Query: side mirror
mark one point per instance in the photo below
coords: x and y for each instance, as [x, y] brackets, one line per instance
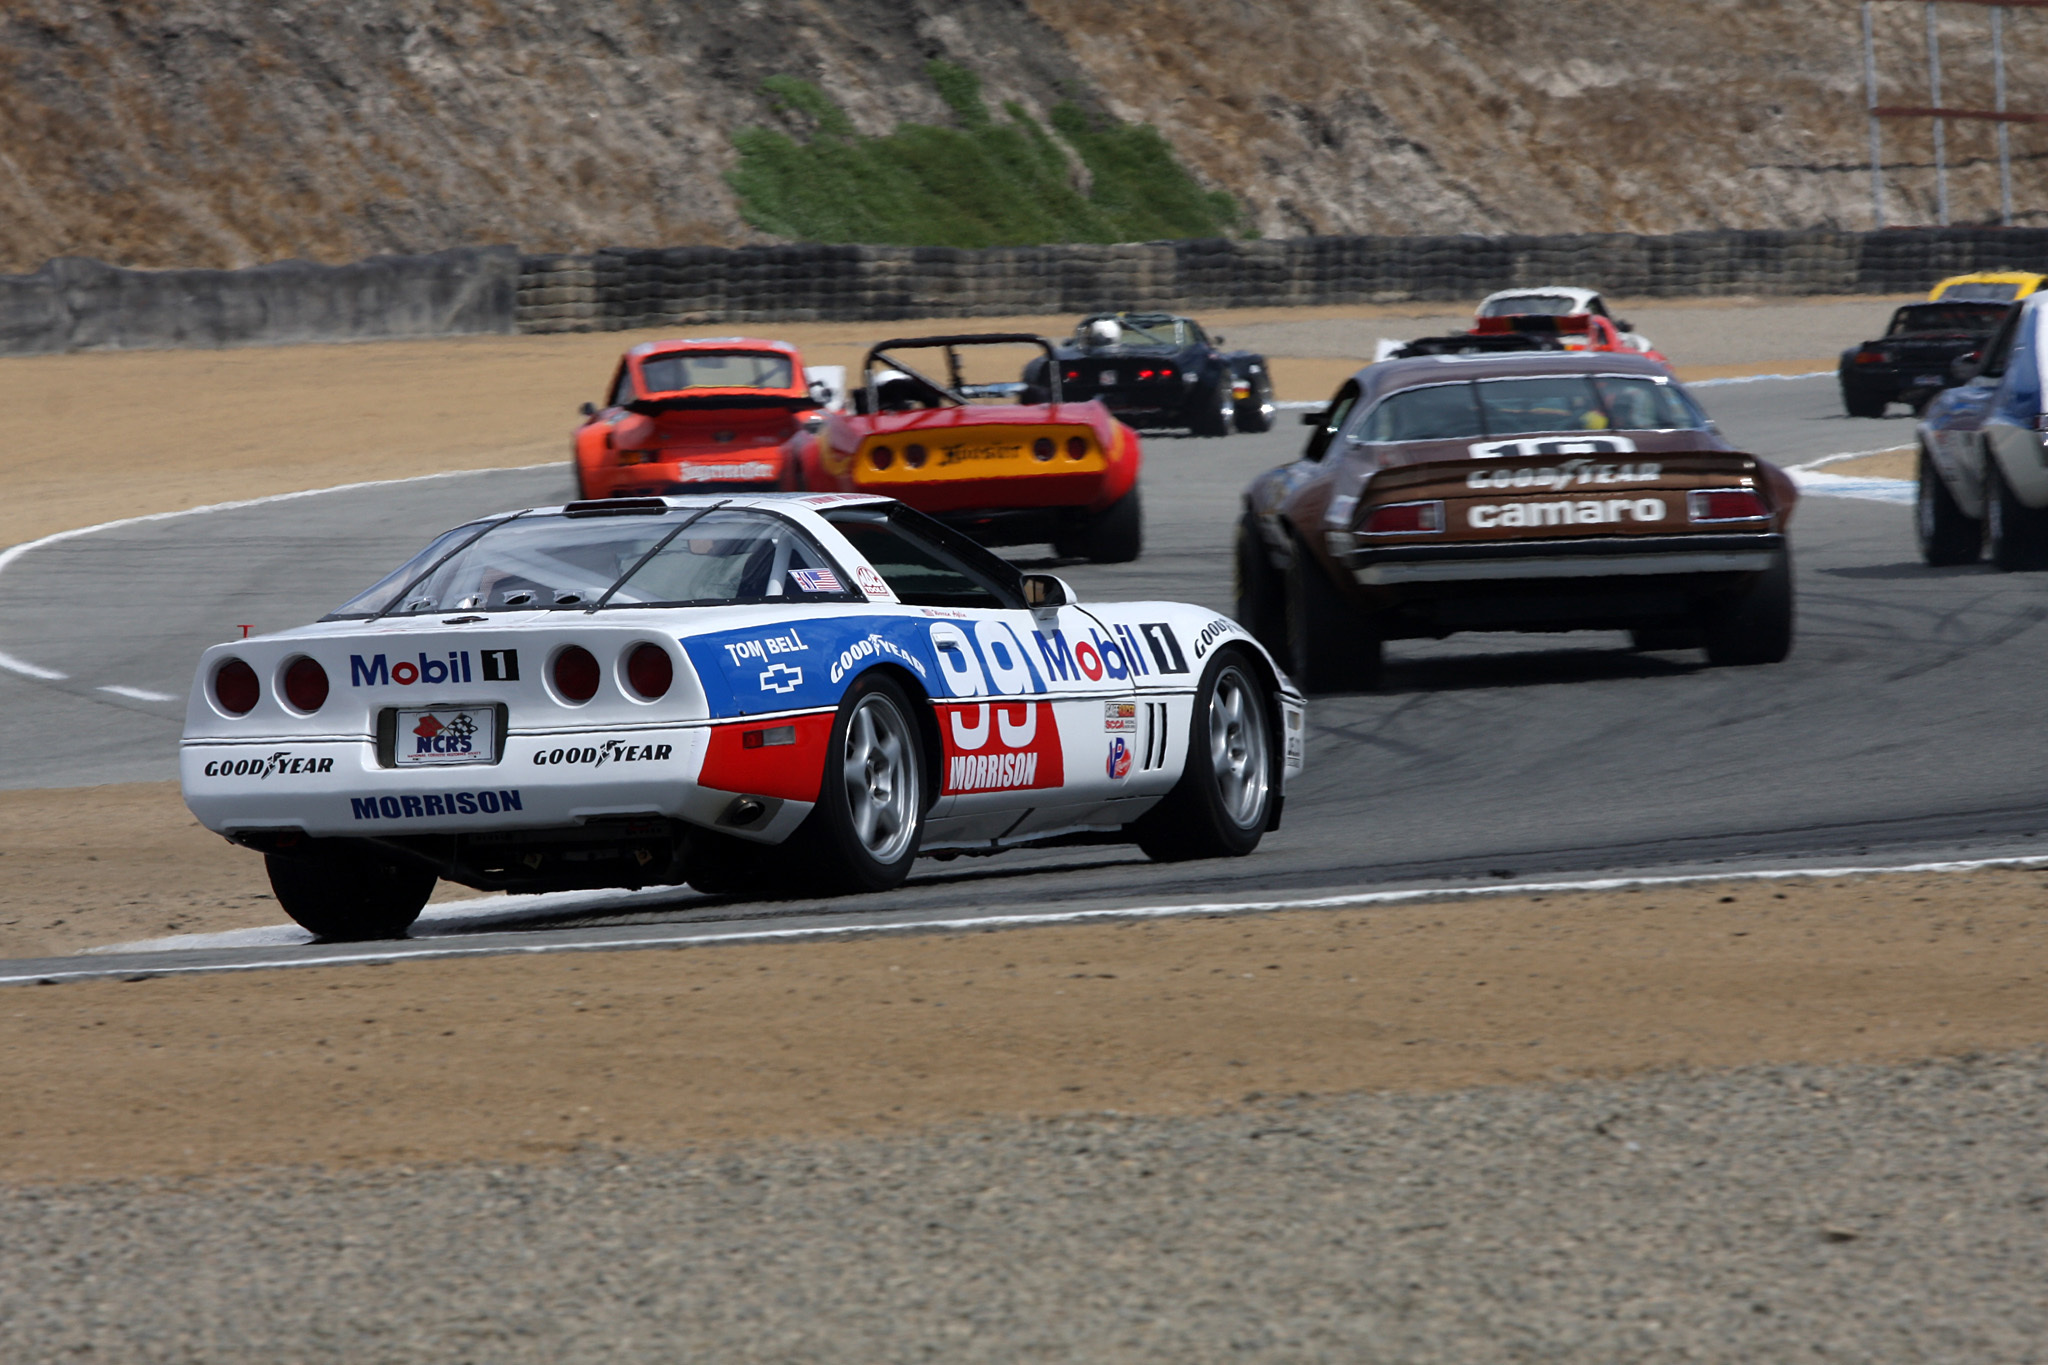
[1046, 590]
[588, 409]
[1964, 368]
[1312, 419]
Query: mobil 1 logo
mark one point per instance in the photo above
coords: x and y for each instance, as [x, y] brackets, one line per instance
[499, 665]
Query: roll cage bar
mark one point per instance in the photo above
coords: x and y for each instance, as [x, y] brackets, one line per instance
[950, 344]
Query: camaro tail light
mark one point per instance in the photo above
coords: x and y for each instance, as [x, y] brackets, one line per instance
[305, 684]
[1870, 356]
[881, 457]
[576, 674]
[1043, 448]
[649, 671]
[1725, 504]
[235, 687]
[1404, 519]
[914, 456]
[1077, 447]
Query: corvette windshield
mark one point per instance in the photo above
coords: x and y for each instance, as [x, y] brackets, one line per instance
[1550, 305]
[687, 557]
[681, 370]
[1147, 331]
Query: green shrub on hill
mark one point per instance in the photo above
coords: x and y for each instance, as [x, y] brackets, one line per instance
[986, 182]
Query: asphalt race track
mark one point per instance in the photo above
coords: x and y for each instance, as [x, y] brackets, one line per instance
[1901, 729]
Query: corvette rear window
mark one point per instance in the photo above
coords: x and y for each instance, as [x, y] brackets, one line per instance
[688, 557]
[681, 370]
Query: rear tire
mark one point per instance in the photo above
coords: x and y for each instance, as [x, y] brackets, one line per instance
[1255, 413]
[1330, 645]
[1862, 403]
[2015, 534]
[1261, 588]
[1754, 625]
[1652, 639]
[356, 891]
[1214, 410]
[1230, 776]
[864, 832]
[1946, 535]
[1116, 535]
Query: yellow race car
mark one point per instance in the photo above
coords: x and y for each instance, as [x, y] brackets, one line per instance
[1986, 286]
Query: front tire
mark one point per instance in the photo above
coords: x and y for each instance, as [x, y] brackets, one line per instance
[1330, 645]
[1754, 626]
[350, 893]
[1947, 536]
[1229, 778]
[864, 832]
[2015, 534]
[1261, 589]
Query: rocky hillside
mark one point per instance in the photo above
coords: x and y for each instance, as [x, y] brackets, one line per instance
[228, 132]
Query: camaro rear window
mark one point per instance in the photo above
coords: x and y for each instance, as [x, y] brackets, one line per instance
[1514, 407]
[681, 370]
[688, 557]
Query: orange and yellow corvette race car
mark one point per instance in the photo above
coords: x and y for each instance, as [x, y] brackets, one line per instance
[1008, 463]
[693, 415]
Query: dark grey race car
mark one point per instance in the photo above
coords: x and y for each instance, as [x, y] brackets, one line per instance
[1159, 370]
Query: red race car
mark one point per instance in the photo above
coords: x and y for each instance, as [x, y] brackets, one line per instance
[694, 415]
[1008, 463]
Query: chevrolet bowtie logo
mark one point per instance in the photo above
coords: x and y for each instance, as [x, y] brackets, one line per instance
[781, 678]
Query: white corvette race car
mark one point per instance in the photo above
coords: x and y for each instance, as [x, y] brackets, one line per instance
[744, 692]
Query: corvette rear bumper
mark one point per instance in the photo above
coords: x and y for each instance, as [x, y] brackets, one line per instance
[1583, 557]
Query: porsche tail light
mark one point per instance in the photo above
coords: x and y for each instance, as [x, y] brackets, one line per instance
[305, 684]
[914, 456]
[576, 674]
[1077, 447]
[1725, 504]
[1871, 356]
[881, 457]
[1404, 519]
[235, 687]
[638, 456]
[1043, 448]
[649, 671]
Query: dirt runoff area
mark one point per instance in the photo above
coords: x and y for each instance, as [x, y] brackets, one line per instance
[531, 1058]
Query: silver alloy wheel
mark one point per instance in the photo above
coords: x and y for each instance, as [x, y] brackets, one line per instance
[1237, 748]
[881, 778]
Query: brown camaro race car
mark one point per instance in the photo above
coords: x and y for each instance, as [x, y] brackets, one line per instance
[1524, 492]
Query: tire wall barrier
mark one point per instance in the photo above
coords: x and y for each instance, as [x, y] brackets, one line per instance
[73, 304]
[614, 289]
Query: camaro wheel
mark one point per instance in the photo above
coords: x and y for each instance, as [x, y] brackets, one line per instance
[870, 814]
[1223, 802]
[1261, 591]
[1946, 535]
[1330, 645]
[1754, 626]
[2015, 534]
[355, 891]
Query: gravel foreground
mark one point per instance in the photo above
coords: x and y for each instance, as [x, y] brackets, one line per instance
[1775, 1213]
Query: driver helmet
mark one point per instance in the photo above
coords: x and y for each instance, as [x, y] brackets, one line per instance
[1102, 332]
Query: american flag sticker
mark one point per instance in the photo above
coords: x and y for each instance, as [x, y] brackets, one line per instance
[816, 580]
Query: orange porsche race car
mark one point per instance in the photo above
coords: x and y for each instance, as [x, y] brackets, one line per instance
[1008, 463]
[693, 415]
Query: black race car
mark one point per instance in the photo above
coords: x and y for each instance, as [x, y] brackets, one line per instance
[1157, 370]
[1910, 362]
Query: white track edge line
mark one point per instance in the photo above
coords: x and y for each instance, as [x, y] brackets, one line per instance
[14, 552]
[1754, 379]
[1362, 898]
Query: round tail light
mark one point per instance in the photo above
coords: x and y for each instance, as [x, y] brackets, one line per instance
[1043, 448]
[914, 456]
[881, 457]
[235, 687]
[1077, 447]
[649, 671]
[305, 684]
[576, 674]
